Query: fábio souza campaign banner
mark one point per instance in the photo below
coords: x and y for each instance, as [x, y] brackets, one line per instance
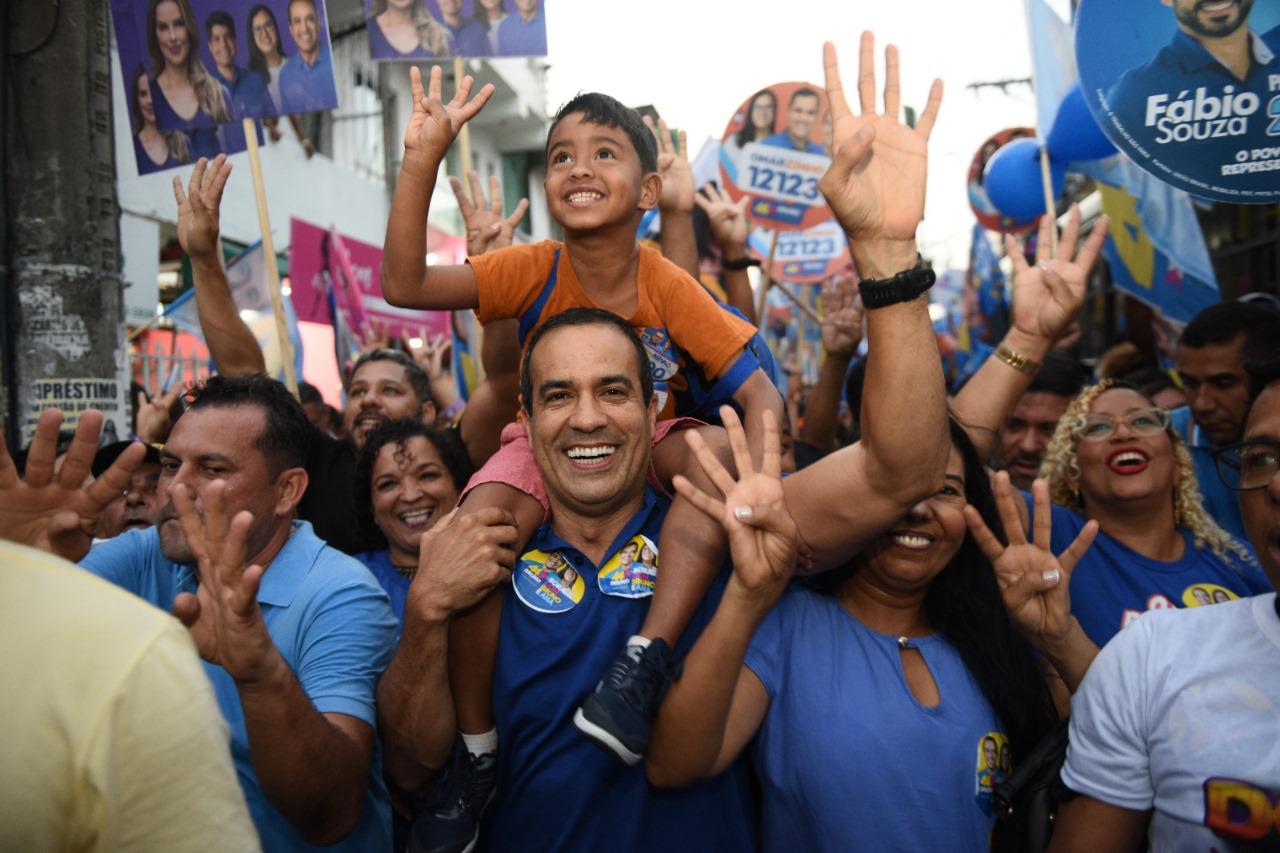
[1189, 90]
[775, 148]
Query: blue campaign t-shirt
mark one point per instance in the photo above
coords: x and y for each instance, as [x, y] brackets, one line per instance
[249, 96]
[782, 140]
[333, 626]
[200, 129]
[560, 632]
[392, 582]
[1184, 105]
[1113, 584]
[848, 758]
[306, 88]
[469, 38]
[1219, 501]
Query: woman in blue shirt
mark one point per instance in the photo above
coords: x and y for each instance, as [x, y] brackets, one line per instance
[409, 476]
[154, 149]
[405, 29]
[186, 96]
[880, 700]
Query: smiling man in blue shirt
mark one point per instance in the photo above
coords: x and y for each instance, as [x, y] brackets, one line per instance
[306, 80]
[1211, 82]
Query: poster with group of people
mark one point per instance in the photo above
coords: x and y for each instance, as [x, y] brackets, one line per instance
[194, 69]
[435, 29]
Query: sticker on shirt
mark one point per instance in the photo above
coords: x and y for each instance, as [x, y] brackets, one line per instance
[1238, 810]
[546, 582]
[1203, 594]
[662, 359]
[633, 571]
[994, 765]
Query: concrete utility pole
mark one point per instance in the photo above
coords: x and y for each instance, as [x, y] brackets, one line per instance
[62, 325]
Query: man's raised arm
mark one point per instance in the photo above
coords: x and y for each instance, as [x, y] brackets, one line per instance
[232, 345]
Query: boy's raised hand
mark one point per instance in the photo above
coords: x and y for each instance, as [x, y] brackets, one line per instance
[728, 219]
[487, 228]
[434, 124]
[198, 207]
[876, 182]
[673, 167]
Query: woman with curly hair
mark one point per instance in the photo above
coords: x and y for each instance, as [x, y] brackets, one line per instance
[1114, 458]
[186, 96]
[405, 29]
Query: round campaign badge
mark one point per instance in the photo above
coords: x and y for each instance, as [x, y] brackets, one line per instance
[1189, 90]
[547, 583]
[632, 571]
[983, 209]
[803, 257]
[776, 147]
[1202, 594]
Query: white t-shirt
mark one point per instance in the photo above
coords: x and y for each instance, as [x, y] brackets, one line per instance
[1180, 713]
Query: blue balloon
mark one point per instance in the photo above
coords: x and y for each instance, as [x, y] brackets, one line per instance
[1075, 135]
[1012, 179]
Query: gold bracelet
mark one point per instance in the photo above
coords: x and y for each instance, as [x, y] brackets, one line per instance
[1017, 360]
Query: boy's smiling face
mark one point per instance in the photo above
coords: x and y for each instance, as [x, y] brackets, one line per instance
[594, 177]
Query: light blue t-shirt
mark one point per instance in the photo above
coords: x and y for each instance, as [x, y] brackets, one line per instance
[1219, 501]
[848, 759]
[333, 626]
[1113, 584]
[783, 140]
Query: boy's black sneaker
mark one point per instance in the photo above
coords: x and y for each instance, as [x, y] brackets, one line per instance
[450, 822]
[619, 713]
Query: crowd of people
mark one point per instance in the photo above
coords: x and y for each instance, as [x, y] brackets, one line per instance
[631, 596]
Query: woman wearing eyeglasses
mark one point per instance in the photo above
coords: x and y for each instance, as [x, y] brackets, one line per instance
[1114, 458]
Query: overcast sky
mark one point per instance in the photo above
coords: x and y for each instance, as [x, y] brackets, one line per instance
[697, 60]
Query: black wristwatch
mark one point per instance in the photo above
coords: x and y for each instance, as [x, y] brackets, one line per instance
[740, 263]
[903, 287]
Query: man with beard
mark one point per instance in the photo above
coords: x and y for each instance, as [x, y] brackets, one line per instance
[1210, 360]
[1024, 435]
[294, 635]
[1213, 66]
[135, 507]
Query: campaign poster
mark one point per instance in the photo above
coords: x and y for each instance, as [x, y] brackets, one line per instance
[983, 209]
[414, 30]
[775, 148]
[331, 274]
[213, 63]
[803, 257]
[1189, 90]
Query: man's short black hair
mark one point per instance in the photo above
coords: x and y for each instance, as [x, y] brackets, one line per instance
[286, 431]
[609, 112]
[1059, 374]
[584, 317]
[413, 371]
[218, 18]
[1225, 321]
[1261, 374]
[804, 92]
[308, 393]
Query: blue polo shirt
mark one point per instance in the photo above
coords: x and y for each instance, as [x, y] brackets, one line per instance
[1221, 502]
[307, 88]
[331, 622]
[518, 37]
[1175, 105]
[782, 140]
[557, 791]
[469, 38]
[249, 96]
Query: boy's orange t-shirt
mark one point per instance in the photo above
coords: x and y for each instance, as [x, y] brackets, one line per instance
[671, 309]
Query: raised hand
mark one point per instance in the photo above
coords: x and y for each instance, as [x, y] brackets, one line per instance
[460, 560]
[433, 123]
[198, 207]
[728, 219]
[1048, 296]
[1034, 584]
[54, 510]
[876, 183]
[842, 315]
[155, 418]
[375, 334]
[487, 228]
[763, 538]
[674, 169]
[223, 615]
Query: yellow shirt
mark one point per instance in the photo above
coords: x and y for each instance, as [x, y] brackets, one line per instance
[110, 738]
